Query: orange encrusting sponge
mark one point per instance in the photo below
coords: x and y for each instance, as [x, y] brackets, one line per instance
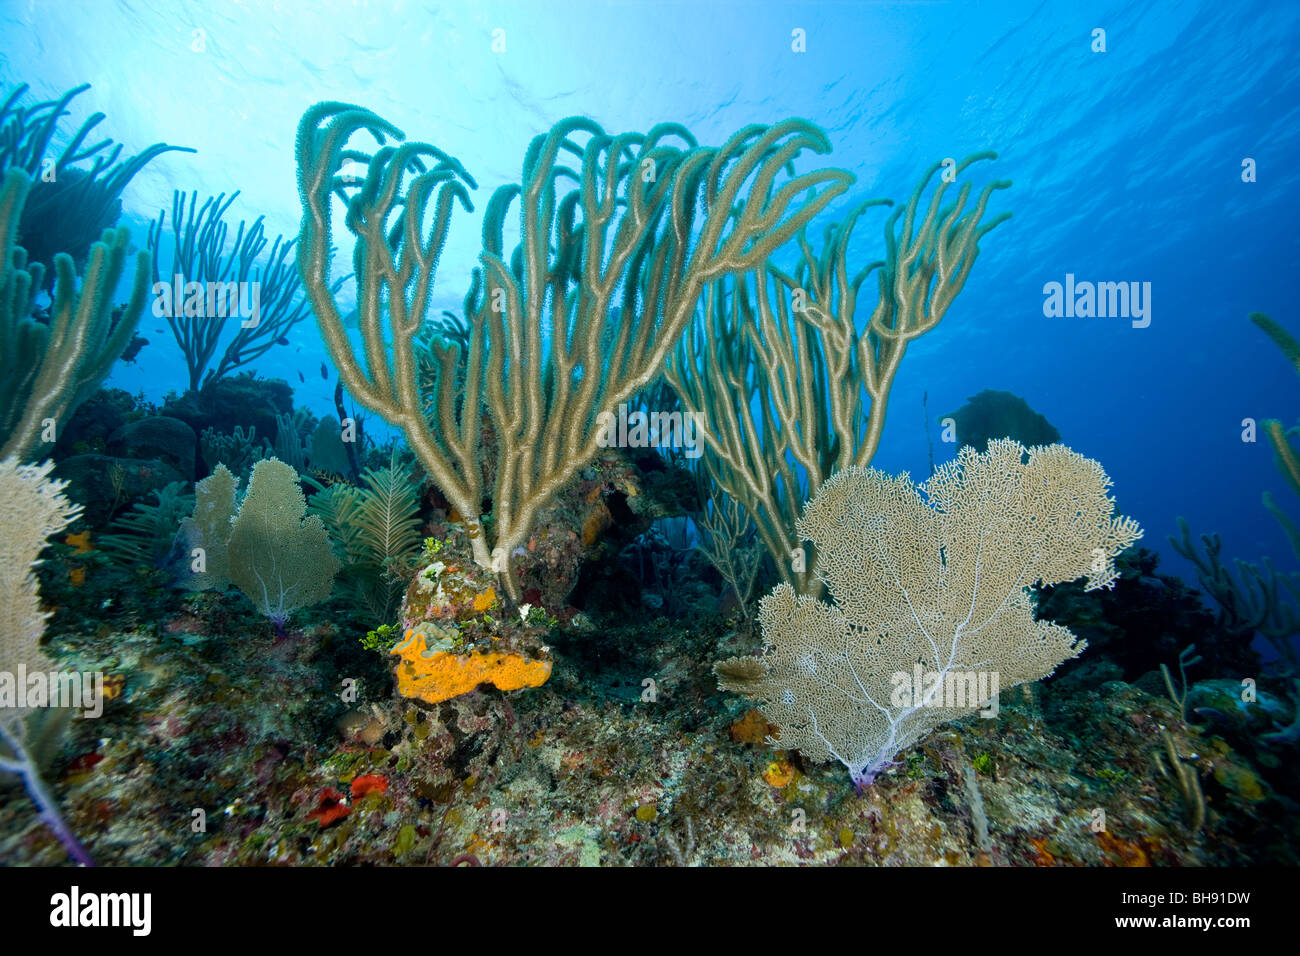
[444, 675]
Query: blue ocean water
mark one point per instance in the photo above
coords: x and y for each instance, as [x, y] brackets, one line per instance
[1127, 166]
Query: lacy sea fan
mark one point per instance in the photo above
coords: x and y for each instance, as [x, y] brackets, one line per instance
[934, 578]
[270, 548]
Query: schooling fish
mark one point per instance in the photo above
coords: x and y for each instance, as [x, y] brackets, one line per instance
[282, 340]
[300, 378]
[324, 372]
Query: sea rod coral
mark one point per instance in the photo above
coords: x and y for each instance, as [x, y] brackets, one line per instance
[48, 369]
[793, 385]
[578, 318]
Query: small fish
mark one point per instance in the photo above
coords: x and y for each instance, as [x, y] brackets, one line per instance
[324, 372]
[132, 350]
[282, 340]
[352, 320]
[300, 378]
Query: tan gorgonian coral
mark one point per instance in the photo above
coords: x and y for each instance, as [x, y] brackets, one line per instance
[793, 385]
[209, 528]
[270, 548]
[617, 237]
[932, 614]
[47, 369]
[279, 555]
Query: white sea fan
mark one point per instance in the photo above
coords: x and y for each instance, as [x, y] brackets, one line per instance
[936, 576]
[32, 507]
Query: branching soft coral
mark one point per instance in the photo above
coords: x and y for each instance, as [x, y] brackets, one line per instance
[929, 593]
[274, 552]
[77, 192]
[618, 236]
[794, 386]
[32, 508]
[48, 368]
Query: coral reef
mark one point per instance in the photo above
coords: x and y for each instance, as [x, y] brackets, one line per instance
[157, 437]
[504, 631]
[592, 770]
[237, 400]
[108, 485]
